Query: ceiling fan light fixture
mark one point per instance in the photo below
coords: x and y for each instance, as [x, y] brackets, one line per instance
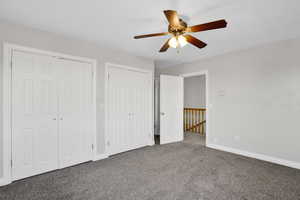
[173, 42]
[182, 41]
[177, 41]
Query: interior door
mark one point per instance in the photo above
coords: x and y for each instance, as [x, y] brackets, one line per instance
[129, 109]
[171, 109]
[75, 112]
[34, 115]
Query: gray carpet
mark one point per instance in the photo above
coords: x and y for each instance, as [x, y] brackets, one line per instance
[183, 171]
[194, 138]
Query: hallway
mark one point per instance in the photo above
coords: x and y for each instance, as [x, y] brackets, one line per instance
[194, 138]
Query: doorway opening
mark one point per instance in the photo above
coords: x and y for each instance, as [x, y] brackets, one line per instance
[181, 103]
[194, 116]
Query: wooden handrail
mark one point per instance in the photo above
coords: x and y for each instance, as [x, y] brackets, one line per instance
[201, 109]
[197, 125]
[195, 120]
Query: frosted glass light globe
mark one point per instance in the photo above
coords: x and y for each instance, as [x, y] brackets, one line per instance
[182, 41]
[173, 42]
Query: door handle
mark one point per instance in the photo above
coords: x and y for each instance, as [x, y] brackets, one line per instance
[162, 113]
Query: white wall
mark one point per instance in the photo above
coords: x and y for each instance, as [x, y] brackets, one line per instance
[194, 92]
[47, 41]
[255, 99]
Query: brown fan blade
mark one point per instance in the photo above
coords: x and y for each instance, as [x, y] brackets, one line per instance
[208, 26]
[172, 17]
[165, 47]
[194, 41]
[150, 35]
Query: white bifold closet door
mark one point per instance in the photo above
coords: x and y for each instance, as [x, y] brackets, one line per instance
[51, 114]
[74, 107]
[129, 109]
[34, 115]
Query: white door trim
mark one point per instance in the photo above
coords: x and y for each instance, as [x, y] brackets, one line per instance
[106, 102]
[8, 48]
[208, 105]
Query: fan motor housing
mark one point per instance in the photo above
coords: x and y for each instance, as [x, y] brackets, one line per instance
[178, 30]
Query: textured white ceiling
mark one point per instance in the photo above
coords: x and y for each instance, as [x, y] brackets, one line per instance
[114, 23]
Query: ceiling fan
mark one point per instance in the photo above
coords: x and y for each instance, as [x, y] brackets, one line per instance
[179, 29]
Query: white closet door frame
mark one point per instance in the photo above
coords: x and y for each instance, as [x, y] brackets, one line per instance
[8, 48]
[107, 66]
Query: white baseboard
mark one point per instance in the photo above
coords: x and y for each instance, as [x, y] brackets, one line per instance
[4, 181]
[100, 157]
[152, 143]
[271, 159]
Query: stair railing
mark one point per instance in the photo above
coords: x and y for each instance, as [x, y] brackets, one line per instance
[195, 120]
